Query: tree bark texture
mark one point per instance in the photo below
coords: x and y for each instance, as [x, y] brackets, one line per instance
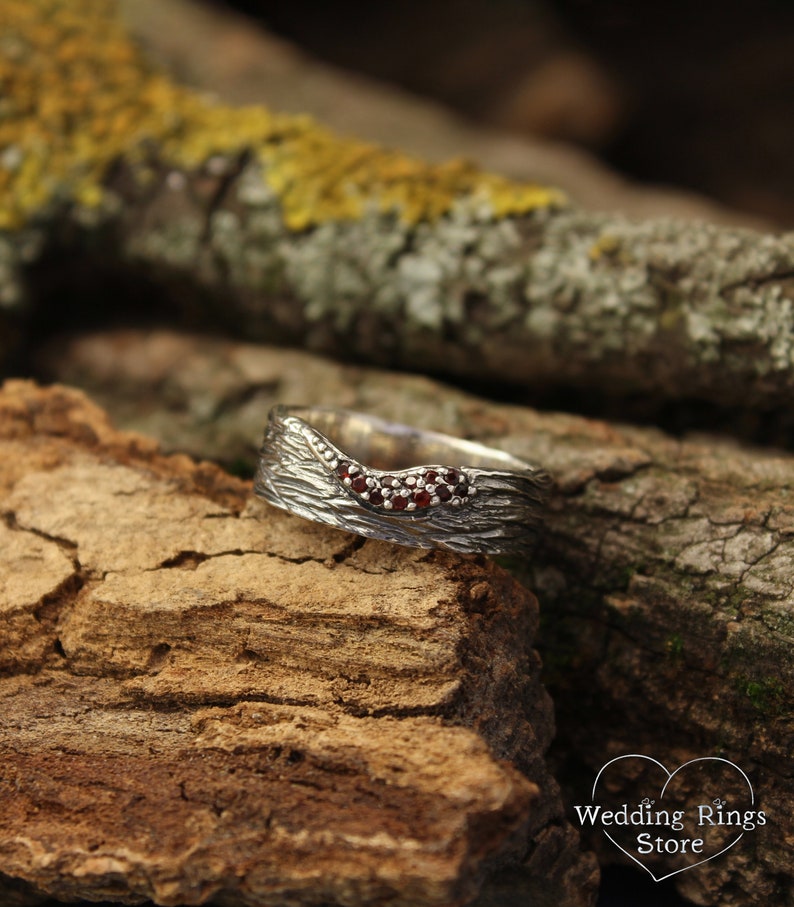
[665, 572]
[205, 699]
[287, 231]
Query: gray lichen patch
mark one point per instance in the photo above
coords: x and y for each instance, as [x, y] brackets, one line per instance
[409, 280]
[340, 275]
[606, 284]
[555, 297]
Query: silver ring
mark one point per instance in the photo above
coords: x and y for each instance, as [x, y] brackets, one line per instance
[359, 473]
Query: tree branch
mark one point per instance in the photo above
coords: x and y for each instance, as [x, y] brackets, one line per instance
[362, 252]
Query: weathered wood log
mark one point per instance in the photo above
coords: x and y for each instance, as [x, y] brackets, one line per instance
[665, 574]
[291, 232]
[260, 67]
[203, 698]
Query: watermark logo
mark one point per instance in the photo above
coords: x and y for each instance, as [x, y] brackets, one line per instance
[671, 821]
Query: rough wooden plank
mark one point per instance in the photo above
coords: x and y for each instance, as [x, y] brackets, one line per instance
[666, 574]
[202, 697]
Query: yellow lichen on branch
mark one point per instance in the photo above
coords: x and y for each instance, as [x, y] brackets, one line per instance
[76, 95]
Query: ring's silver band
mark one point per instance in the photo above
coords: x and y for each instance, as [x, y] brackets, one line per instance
[360, 473]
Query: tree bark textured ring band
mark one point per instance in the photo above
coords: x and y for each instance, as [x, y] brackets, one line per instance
[359, 473]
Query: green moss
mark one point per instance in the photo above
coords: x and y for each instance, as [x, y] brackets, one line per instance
[728, 602]
[77, 96]
[675, 647]
[766, 694]
[626, 575]
[241, 467]
[515, 565]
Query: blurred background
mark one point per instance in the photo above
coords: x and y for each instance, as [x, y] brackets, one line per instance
[693, 95]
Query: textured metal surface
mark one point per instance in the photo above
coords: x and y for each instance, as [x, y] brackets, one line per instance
[303, 448]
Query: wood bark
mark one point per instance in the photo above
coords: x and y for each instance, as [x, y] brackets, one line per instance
[205, 699]
[665, 572]
[285, 231]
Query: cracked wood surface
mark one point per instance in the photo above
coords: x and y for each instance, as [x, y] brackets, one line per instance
[202, 697]
[666, 574]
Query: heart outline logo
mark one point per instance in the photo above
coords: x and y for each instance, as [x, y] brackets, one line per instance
[670, 776]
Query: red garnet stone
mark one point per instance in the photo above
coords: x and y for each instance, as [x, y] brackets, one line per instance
[398, 502]
[421, 498]
[359, 484]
